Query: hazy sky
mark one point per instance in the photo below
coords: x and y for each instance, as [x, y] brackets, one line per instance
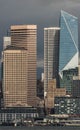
[44, 13]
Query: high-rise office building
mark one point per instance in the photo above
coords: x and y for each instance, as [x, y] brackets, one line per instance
[51, 55]
[15, 77]
[26, 36]
[68, 58]
[68, 53]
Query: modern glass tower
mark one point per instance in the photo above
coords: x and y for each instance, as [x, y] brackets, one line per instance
[68, 53]
[68, 42]
[51, 55]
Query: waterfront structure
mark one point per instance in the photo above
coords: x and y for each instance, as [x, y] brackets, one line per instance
[15, 77]
[18, 114]
[6, 41]
[68, 53]
[26, 36]
[67, 105]
[51, 55]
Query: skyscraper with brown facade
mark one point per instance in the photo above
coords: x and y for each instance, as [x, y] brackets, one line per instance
[25, 36]
[15, 77]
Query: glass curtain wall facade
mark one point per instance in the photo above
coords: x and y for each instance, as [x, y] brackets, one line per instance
[51, 55]
[68, 41]
[68, 54]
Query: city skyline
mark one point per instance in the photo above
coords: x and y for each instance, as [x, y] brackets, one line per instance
[43, 13]
[40, 38]
[40, 61]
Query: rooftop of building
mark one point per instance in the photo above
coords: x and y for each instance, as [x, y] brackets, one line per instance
[64, 12]
[54, 28]
[32, 26]
[10, 47]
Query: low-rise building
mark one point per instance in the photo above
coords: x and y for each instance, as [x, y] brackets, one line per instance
[67, 105]
[17, 114]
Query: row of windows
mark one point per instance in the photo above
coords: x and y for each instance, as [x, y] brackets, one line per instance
[7, 117]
